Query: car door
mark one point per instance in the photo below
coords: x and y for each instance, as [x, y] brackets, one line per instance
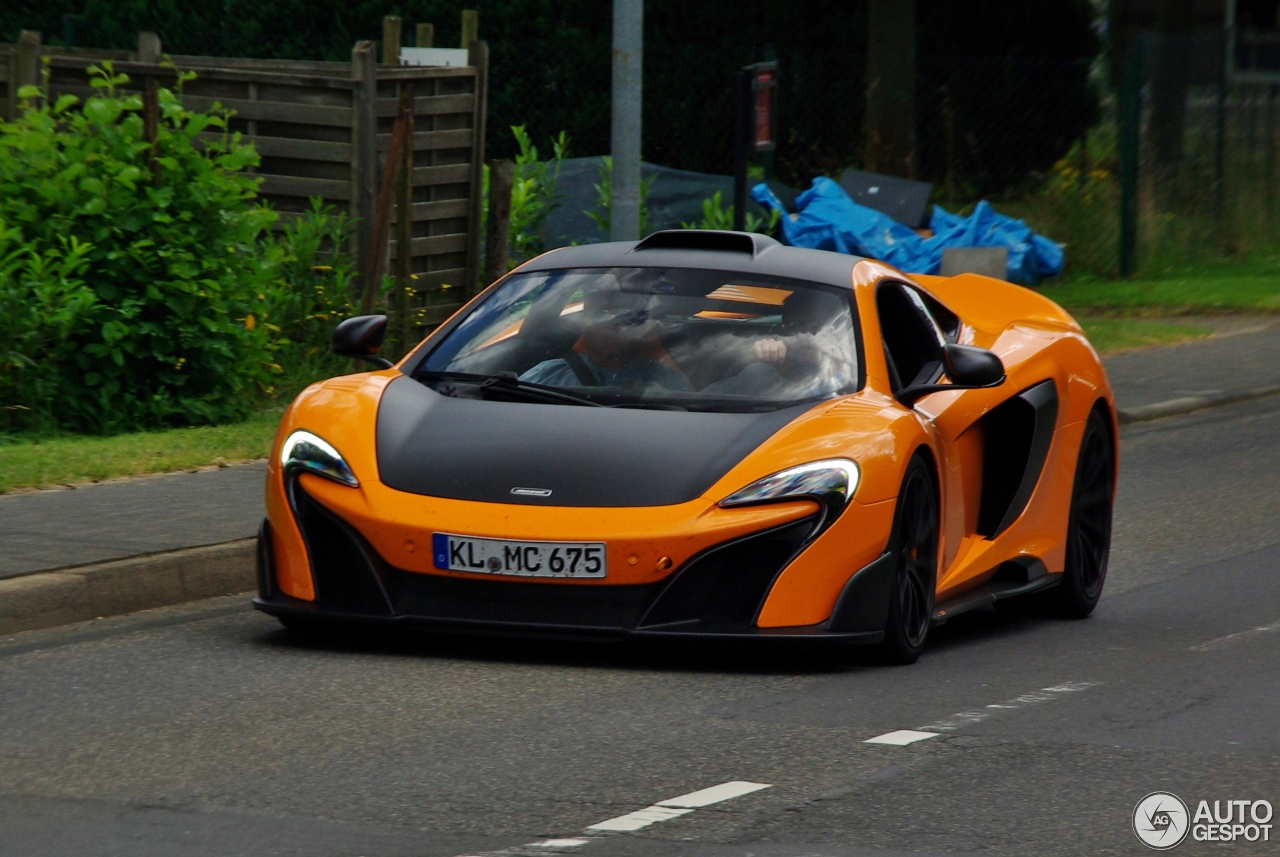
[992, 445]
[914, 328]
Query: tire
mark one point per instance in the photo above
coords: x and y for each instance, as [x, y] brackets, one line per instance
[915, 579]
[1088, 526]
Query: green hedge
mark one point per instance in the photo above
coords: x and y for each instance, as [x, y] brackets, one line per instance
[139, 284]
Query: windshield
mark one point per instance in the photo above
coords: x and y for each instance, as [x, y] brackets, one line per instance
[656, 337]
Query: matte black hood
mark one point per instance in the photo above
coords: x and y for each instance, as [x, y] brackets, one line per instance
[468, 449]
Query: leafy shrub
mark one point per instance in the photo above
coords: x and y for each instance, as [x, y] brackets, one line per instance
[311, 290]
[715, 215]
[602, 214]
[166, 235]
[533, 194]
[43, 302]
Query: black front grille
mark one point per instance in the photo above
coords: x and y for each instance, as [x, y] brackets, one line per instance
[721, 588]
[522, 602]
[344, 568]
[724, 587]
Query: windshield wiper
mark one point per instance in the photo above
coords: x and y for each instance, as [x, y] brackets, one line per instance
[509, 382]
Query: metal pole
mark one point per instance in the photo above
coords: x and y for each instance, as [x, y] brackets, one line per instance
[1220, 156]
[628, 55]
[741, 123]
[1130, 117]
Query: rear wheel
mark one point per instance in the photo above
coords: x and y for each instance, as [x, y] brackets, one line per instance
[915, 547]
[1089, 524]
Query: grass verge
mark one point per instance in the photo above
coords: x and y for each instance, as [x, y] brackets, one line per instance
[1258, 293]
[1116, 335]
[71, 459]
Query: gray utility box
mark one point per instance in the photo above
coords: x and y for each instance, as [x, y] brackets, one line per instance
[988, 261]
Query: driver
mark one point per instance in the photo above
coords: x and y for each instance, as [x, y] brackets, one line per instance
[618, 348]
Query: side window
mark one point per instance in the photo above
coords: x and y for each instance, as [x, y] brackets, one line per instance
[912, 341]
[947, 321]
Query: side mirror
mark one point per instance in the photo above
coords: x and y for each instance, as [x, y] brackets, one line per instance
[360, 338]
[968, 367]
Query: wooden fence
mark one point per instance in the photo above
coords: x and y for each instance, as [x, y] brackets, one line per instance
[323, 129]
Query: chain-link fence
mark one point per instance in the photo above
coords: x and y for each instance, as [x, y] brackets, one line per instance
[1207, 152]
[1038, 136]
[1011, 129]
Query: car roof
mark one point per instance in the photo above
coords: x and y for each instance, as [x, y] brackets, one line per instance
[731, 252]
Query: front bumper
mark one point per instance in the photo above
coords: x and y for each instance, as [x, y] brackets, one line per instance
[717, 593]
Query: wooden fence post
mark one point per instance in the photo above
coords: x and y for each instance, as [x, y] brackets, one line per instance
[386, 201]
[149, 48]
[404, 224]
[391, 40]
[477, 58]
[364, 160]
[425, 36]
[501, 176]
[470, 27]
[26, 66]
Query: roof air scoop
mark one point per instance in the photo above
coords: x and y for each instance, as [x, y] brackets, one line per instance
[715, 240]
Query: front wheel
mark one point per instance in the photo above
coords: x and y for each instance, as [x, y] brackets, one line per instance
[915, 548]
[1089, 524]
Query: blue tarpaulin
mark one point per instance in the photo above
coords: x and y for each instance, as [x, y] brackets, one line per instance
[827, 219]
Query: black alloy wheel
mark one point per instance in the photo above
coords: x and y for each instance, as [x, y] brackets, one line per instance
[1089, 525]
[915, 580]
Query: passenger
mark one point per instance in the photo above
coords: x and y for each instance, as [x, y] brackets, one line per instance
[797, 345]
[619, 348]
[802, 360]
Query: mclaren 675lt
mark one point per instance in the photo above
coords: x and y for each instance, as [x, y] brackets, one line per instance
[702, 434]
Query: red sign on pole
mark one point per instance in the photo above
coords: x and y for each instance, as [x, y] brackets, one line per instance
[764, 80]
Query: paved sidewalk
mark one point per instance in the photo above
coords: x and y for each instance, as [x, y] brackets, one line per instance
[110, 520]
[93, 523]
[1206, 366]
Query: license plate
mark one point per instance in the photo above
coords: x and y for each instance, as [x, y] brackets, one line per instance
[519, 559]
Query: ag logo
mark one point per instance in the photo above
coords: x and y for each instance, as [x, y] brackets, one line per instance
[1160, 819]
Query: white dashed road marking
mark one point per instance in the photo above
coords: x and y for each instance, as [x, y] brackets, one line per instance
[901, 737]
[715, 794]
[663, 810]
[1035, 697]
[640, 818]
[675, 807]
[1223, 642]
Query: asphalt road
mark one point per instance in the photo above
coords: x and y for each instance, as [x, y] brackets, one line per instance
[207, 730]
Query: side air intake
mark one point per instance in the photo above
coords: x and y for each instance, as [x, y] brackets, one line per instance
[708, 239]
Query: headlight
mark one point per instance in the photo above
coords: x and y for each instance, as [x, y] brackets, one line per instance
[304, 452]
[831, 483]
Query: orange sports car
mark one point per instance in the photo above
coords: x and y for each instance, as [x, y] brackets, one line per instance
[702, 434]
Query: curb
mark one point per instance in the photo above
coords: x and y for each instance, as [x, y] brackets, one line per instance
[78, 593]
[1187, 404]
